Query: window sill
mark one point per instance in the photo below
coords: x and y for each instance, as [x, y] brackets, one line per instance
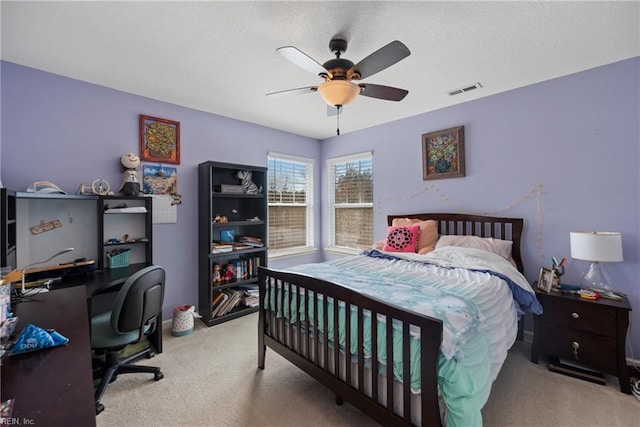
[286, 253]
[343, 251]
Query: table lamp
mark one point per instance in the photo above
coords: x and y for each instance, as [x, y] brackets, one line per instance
[64, 251]
[596, 247]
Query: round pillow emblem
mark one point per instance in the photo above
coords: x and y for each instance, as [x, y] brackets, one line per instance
[399, 238]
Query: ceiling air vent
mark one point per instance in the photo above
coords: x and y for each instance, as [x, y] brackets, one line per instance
[467, 88]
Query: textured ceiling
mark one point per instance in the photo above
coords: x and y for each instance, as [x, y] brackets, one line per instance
[220, 57]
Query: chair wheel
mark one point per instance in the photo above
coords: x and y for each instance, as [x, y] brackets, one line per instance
[99, 408]
[158, 376]
[150, 354]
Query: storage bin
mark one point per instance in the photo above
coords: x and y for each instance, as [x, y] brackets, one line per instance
[119, 260]
[183, 320]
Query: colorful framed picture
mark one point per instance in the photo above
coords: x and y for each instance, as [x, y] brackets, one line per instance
[159, 179]
[443, 154]
[159, 140]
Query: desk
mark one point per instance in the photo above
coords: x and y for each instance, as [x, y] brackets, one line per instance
[53, 386]
[100, 281]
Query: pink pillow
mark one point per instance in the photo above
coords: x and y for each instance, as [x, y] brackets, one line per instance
[428, 232]
[402, 239]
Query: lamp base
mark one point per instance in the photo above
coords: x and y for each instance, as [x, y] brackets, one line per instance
[596, 278]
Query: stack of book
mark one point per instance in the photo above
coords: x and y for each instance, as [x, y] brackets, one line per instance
[223, 302]
[251, 297]
[219, 247]
[238, 246]
[252, 241]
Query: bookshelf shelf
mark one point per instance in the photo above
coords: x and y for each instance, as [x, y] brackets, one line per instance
[115, 225]
[220, 300]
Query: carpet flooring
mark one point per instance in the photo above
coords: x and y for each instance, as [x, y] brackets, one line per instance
[211, 379]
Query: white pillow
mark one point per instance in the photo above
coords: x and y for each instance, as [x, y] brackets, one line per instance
[497, 246]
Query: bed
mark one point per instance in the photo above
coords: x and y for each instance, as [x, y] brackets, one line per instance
[405, 352]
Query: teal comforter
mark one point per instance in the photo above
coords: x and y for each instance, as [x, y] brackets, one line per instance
[478, 295]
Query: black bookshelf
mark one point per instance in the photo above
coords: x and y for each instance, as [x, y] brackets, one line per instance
[226, 212]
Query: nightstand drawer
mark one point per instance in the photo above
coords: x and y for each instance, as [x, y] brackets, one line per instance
[598, 352]
[595, 318]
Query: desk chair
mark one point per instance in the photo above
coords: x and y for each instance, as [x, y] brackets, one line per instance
[136, 313]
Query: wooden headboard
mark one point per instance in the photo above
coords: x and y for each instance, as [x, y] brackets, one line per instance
[476, 225]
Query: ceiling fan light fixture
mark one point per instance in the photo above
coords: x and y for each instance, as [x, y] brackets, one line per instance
[338, 92]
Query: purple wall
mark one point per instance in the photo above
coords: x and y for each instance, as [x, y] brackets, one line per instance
[564, 154]
[576, 136]
[67, 131]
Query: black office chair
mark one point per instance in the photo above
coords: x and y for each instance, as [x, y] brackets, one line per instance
[136, 313]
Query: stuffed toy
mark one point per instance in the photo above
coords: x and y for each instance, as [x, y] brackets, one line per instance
[248, 186]
[229, 273]
[130, 182]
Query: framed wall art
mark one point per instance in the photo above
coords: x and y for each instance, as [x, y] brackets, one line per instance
[159, 179]
[443, 154]
[159, 140]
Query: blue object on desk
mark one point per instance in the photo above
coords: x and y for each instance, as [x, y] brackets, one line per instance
[33, 338]
[565, 287]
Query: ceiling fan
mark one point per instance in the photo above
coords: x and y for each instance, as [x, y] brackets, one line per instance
[338, 88]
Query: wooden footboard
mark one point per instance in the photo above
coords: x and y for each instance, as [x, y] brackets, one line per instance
[314, 347]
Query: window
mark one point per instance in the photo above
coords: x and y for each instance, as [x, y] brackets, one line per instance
[290, 198]
[351, 202]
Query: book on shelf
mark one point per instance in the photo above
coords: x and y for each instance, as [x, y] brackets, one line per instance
[254, 244]
[250, 288]
[223, 306]
[251, 301]
[231, 303]
[250, 294]
[217, 301]
[229, 299]
[218, 247]
[252, 241]
[228, 188]
[241, 246]
[247, 268]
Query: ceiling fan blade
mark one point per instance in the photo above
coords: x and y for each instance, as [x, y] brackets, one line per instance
[383, 92]
[297, 91]
[302, 60]
[382, 58]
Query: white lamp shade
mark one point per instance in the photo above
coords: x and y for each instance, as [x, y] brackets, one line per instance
[596, 246]
[338, 92]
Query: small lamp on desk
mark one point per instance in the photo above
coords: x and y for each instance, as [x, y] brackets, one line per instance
[33, 264]
[597, 247]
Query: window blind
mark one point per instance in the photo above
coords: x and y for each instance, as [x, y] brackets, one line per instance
[290, 200]
[351, 212]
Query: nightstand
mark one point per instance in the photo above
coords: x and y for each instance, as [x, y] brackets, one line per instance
[591, 333]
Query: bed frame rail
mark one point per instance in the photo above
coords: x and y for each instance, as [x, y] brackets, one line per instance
[316, 354]
[476, 225]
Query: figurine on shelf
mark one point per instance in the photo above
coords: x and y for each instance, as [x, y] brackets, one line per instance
[248, 186]
[129, 167]
[216, 274]
[229, 273]
[220, 219]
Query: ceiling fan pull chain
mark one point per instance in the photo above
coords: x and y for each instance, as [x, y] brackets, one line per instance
[338, 120]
